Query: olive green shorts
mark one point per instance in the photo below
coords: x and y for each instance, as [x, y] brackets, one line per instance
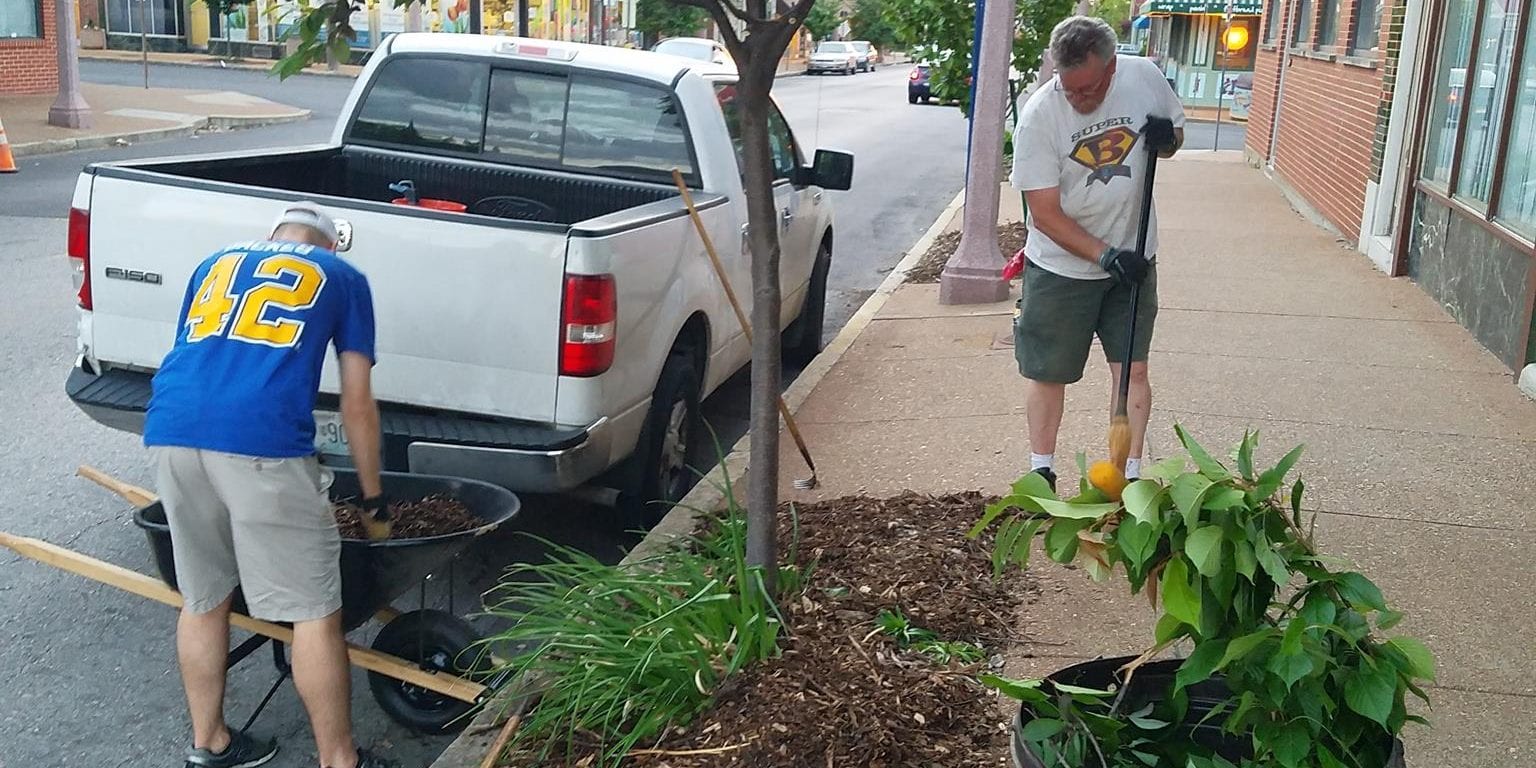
[1059, 316]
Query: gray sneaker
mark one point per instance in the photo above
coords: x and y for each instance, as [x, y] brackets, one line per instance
[243, 752]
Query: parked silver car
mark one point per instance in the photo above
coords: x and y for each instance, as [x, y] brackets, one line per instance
[833, 56]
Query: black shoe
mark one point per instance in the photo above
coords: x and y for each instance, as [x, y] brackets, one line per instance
[367, 760]
[243, 752]
[1048, 474]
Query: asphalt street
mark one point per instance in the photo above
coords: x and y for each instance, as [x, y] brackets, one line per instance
[91, 670]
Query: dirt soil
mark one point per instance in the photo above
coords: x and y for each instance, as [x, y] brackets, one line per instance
[1010, 238]
[435, 515]
[844, 693]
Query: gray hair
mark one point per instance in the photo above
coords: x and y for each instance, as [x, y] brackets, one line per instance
[1078, 37]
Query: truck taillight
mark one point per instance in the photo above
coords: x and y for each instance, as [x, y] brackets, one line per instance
[80, 254]
[589, 319]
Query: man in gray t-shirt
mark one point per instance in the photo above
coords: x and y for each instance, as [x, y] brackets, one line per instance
[1080, 150]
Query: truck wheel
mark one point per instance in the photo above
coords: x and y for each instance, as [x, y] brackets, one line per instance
[804, 335]
[667, 467]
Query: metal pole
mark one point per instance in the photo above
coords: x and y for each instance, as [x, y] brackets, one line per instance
[970, 125]
[1221, 79]
[69, 109]
[144, 39]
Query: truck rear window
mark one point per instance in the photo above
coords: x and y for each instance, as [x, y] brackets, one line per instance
[568, 121]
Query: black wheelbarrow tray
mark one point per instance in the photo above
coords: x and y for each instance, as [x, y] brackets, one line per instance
[425, 667]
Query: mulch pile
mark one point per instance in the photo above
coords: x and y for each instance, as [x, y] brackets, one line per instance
[1010, 238]
[845, 694]
[435, 515]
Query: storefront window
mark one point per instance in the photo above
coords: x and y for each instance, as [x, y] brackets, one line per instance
[159, 17]
[20, 18]
[1490, 84]
[1517, 200]
[1450, 78]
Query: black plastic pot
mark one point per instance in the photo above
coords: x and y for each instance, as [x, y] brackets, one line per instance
[1151, 683]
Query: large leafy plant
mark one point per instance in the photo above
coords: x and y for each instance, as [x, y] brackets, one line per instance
[1226, 559]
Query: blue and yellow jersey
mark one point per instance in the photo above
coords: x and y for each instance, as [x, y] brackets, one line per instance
[255, 325]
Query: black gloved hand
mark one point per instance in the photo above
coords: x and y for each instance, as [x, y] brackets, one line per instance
[375, 518]
[376, 506]
[1126, 267]
[1159, 134]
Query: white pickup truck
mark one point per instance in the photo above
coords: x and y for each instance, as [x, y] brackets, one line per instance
[557, 331]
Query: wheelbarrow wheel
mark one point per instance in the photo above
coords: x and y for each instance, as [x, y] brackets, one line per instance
[437, 641]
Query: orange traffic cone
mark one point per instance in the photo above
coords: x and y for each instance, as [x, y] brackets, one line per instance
[7, 162]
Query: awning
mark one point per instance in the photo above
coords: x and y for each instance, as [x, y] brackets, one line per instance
[1239, 7]
[1142, 22]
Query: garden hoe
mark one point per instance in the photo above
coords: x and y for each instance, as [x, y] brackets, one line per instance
[1120, 423]
[803, 484]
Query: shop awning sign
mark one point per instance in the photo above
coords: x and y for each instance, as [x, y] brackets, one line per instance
[1237, 7]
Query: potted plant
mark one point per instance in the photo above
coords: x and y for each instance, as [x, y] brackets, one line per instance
[92, 37]
[1289, 663]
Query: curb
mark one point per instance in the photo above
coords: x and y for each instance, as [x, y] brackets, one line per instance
[100, 141]
[250, 65]
[469, 750]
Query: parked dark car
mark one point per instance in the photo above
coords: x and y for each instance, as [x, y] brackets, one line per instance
[917, 85]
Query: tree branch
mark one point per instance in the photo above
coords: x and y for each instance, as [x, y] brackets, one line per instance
[799, 10]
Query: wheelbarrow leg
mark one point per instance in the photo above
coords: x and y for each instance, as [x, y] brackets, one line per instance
[240, 652]
[279, 660]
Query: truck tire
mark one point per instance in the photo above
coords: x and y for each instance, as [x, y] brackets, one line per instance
[666, 466]
[803, 338]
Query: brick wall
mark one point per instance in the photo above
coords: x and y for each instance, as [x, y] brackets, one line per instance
[1329, 116]
[31, 65]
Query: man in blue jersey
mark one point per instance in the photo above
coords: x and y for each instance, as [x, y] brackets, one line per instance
[231, 429]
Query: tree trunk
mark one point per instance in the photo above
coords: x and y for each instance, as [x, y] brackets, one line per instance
[762, 218]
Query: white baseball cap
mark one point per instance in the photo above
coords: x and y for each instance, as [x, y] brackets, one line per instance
[308, 214]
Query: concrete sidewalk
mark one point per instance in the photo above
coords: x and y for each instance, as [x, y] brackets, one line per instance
[1419, 445]
[125, 114]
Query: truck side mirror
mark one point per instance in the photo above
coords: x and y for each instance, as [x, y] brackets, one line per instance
[830, 170]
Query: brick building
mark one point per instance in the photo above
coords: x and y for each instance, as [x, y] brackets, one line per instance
[1410, 127]
[29, 60]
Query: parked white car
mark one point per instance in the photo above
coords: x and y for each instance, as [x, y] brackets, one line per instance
[833, 56]
[559, 332]
[697, 48]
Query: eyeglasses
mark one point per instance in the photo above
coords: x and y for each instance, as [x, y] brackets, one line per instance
[1080, 93]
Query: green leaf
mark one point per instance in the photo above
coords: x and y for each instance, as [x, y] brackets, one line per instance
[1388, 619]
[1224, 499]
[1296, 491]
[1292, 743]
[1325, 758]
[1270, 481]
[1061, 539]
[1372, 692]
[1243, 646]
[1019, 690]
[1165, 470]
[1071, 511]
[1318, 611]
[1421, 661]
[1245, 561]
[1033, 484]
[1200, 664]
[1209, 467]
[1204, 550]
[1179, 599]
[1142, 500]
[1188, 493]
[1040, 730]
[1245, 454]
[1148, 759]
[1168, 628]
[1291, 669]
[1137, 541]
[990, 515]
[1147, 723]
[1026, 543]
[1272, 563]
[1077, 690]
[1360, 592]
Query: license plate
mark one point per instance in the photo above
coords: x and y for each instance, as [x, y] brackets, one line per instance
[330, 437]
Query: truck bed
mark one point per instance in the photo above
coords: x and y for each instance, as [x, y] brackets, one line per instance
[365, 173]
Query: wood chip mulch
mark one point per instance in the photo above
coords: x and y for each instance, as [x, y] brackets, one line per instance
[1010, 238]
[435, 515]
[844, 694]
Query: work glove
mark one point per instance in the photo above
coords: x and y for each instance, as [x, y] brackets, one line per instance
[1159, 134]
[1126, 267]
[375, 518]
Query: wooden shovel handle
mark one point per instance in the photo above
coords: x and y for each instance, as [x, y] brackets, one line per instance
[135, 495]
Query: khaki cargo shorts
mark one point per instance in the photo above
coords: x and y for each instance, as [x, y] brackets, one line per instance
[264, 525]
[1059, 316]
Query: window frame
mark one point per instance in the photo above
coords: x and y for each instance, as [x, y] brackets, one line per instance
[37, 17]
[1326, 35]
[1487, 216]
[693, 178]
[1304, 18]
[1355, 46]
[1274, 21]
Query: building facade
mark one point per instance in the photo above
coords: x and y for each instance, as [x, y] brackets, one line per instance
[1410, 127]
[29, 54]
[1205, 55]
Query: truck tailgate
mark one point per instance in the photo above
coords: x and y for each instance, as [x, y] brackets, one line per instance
[467, 308]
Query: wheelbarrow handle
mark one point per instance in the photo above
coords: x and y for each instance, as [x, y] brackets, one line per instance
[135, 495]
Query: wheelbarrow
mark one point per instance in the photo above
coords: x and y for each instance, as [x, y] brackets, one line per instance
[423, 667]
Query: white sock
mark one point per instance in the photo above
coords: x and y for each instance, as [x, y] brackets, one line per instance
[1132, 469]
[1038, 460]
